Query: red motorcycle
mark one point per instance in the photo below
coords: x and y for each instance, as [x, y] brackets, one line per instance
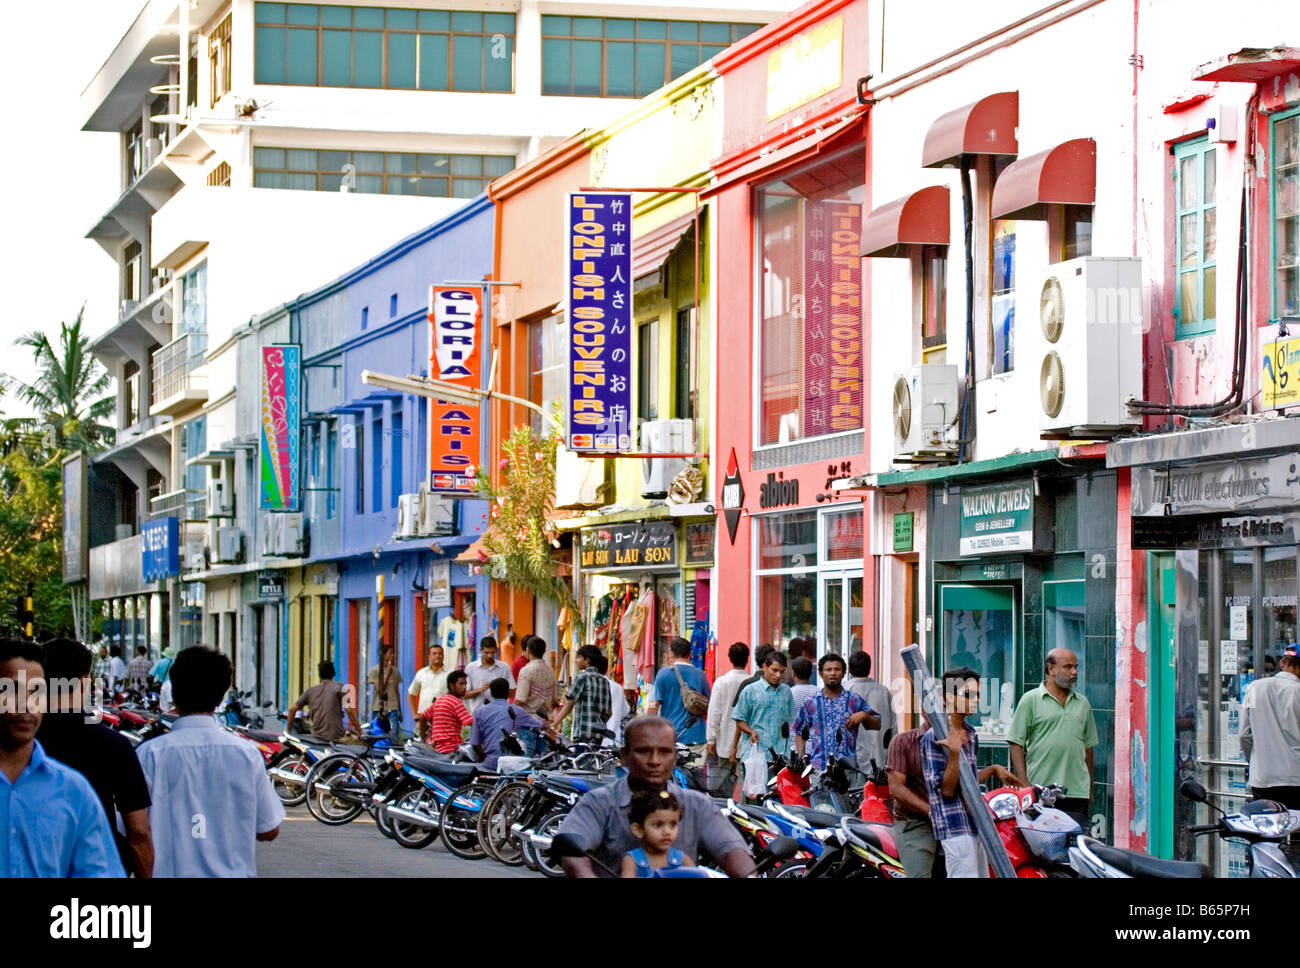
[1036, 835]
[875, 797]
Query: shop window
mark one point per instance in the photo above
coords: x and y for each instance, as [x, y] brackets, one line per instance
[787, 540]
[810, 294]
[1076, 232]
[1195, 238]
[934, 303]
[978, 630]
[617, 57]
[427, 50]
[1286, 214]
[647, 370]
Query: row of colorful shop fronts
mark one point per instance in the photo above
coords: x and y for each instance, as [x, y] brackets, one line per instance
[843, 254]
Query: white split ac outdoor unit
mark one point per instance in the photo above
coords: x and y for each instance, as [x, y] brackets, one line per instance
[579, 481]
[122, 531]
[437, 514]
[219, 499]
[924, 411]
[195, 559]
[676, 436]
[1090, 361]
[283, 534]
[408, 512]
[230, 544]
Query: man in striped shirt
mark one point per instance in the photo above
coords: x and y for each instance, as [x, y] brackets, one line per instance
[443, 720]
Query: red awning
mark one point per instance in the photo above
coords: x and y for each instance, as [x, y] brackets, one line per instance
[650, 251]
[921, 218]
[1250, 65]
[1064, 175]
[987, 127]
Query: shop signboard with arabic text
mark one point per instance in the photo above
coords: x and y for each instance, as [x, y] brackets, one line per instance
[598, 301]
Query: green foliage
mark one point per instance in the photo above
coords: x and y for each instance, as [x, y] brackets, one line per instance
[31, 539]
[521, 533]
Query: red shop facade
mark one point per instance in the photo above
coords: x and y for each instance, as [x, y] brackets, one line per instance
[792, 382]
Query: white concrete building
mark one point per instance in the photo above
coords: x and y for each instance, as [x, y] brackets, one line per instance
[266, 147]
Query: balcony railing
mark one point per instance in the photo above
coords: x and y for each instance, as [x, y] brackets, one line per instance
[186, 505]
[174, 382]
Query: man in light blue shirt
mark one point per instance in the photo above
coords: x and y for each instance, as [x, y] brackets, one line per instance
[212, 799]
[691, 730]
[52, 823]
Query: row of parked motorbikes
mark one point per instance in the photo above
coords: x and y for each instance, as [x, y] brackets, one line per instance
[811, 822]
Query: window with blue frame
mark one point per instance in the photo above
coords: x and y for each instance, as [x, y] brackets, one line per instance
[1195, 238]
[194, 441]
[397, 442]
[331, 430]
[376, 47]
[377, 464]
[1286, 213]
[359, 464]
[618, 57]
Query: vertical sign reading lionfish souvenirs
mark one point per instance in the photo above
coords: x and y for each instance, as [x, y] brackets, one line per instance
[598, 299]
[281, 413]
[832, 339]
[455, 314]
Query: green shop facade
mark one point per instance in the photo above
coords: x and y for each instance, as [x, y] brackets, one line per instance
[1020, 559]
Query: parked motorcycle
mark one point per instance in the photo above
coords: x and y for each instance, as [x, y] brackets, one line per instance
[1263, 824]
[1036, 835]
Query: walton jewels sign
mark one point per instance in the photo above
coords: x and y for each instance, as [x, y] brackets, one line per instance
[998, 518]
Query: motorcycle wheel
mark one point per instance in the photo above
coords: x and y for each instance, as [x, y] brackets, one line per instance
[528, 855]
[548, 826]
[794, 869]
[494, 823]
[324, 806]
[382, 823]
[294, 762]
[409, 834]
[458, 824]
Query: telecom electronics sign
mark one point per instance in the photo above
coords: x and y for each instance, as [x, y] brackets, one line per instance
[598, 298]
[281, 417]
[455, 318]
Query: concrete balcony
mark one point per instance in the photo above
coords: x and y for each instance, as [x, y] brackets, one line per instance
[177, 383]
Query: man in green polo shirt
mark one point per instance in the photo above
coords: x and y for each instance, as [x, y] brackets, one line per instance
[1054, 728]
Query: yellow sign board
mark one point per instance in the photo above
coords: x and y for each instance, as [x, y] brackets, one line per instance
[804, 69]
[1279, 374]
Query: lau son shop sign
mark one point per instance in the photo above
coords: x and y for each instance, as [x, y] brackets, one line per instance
[649, 545]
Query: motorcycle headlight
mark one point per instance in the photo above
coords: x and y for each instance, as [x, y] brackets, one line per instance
[1004, 806]
[1266, 818]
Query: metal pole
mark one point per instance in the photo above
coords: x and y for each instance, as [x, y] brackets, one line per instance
[932, 704]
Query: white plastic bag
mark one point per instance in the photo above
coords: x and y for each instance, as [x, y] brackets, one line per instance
[755, 771]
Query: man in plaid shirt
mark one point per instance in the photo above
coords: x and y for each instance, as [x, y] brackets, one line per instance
[588, 698]
[940, 765]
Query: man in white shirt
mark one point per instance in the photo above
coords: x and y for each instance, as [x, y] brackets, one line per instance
[872, 743]
[1270, 734]
[482, 672]
[720, 732]
[211, 798]
[429, 683]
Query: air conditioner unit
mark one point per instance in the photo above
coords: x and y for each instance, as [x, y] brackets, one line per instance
[1090, 355]
[195, 559]
[283, 534]
[437, 514]
[408, 512]
[579, 481]
[230, 544]
[220, 504]
[123, 531]
[924, 410]
[675, 436]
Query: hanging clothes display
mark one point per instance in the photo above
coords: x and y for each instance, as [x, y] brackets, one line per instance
[699, 642]
[636, 619]
[452, 635]
[646, 665]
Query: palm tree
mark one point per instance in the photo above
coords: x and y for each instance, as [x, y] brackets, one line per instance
[71, 393]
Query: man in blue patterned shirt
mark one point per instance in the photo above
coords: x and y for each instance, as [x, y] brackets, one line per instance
[940, 765]
[763, 709]
[832, 717]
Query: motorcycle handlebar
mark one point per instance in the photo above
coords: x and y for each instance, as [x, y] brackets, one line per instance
[1203, 828]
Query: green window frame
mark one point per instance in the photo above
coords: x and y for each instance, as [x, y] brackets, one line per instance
[622, 57]
[379, 48]
[1284, 214]
[1195, 238]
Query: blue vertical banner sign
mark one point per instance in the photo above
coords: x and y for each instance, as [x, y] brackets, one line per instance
[281, 417]
[598, 300]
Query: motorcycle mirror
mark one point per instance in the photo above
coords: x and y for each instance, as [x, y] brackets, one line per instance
[1194, 791]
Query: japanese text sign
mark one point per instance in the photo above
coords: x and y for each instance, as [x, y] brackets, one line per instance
[598, 298]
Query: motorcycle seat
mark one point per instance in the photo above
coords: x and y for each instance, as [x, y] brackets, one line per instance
[876, 835]
[754, 813]
[1140, 865]
[815, 817]
[263, 735]
[443, 767]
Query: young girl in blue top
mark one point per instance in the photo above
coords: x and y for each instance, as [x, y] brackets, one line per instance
[654, 816]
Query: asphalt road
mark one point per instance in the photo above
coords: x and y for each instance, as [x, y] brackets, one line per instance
[307, 848]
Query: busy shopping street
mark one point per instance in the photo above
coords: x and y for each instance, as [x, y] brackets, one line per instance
[600, 439]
